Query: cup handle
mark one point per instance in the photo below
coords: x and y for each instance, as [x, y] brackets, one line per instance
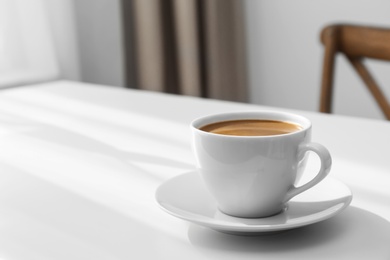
[326, 163]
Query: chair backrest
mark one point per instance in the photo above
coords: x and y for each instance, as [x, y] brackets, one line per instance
[356, 43]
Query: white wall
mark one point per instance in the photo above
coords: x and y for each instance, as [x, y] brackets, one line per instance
[63, 29]
[88, 40]
[99, 34]
[285, 55]
[27, 51]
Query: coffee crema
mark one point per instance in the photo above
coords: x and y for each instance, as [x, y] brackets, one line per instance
[251, 127]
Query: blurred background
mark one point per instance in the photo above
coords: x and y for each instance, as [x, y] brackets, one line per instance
[255, 51]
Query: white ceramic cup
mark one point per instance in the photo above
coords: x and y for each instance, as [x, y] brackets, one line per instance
[254, 176]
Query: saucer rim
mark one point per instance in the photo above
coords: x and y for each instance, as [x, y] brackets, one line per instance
[229, 227]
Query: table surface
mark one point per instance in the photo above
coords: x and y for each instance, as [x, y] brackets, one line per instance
[80, 163]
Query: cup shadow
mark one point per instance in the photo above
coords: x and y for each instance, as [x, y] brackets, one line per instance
[353, 234]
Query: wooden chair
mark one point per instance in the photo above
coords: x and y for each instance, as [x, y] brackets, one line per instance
[356, 43]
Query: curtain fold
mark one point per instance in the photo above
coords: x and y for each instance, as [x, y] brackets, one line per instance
[189, 47]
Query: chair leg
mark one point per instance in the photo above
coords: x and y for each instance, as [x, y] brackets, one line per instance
[330, 43]
[372, 85]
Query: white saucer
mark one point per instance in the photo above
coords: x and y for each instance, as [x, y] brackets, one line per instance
[185, 197]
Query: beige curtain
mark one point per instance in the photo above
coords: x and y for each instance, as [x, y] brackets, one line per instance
[189, 47]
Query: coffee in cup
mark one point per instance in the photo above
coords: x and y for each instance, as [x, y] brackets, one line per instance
[251, 127]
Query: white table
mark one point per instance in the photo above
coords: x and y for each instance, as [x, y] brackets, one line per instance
[80, 163]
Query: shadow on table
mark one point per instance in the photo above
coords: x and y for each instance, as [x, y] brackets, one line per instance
[355, 234]
[59, 139]
[42, 219]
